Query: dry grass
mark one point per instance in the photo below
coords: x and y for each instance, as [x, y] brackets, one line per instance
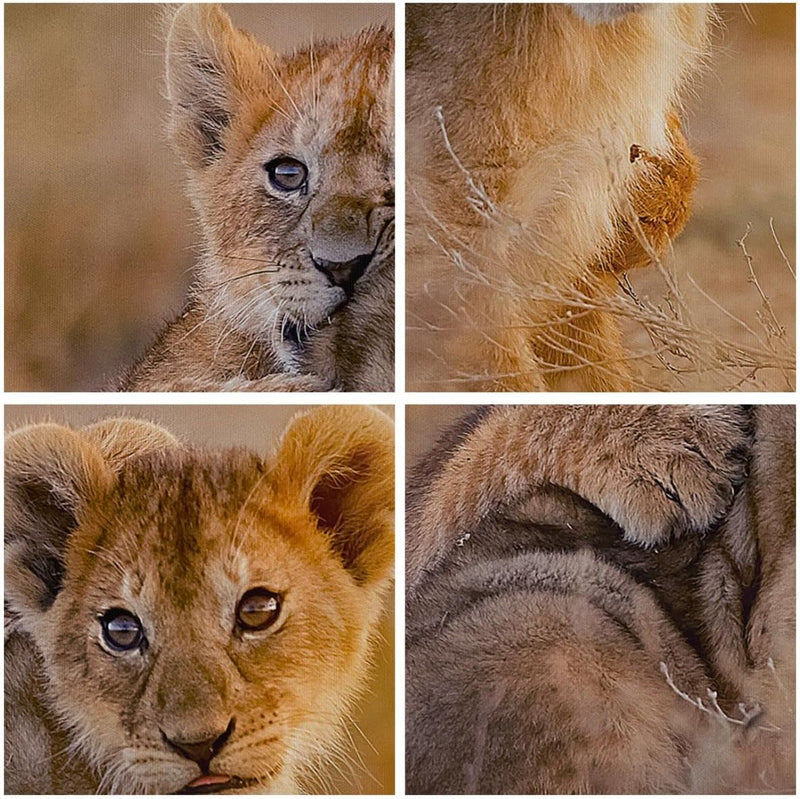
[741, 125]
[688, 349]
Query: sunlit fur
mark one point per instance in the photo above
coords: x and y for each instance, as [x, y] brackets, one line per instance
[177, 536]
[526, 199]
[236, 105]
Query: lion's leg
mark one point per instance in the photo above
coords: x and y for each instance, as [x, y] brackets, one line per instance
[492, 350]
[661, 201]
[583, 350]
[657, 471]
[586, 350]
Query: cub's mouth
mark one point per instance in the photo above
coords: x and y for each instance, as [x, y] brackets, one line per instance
[345, 276]
[216, 783]
[297, 334]
[292, 334]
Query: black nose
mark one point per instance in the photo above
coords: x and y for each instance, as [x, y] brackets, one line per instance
[201, 751]
[343, 274]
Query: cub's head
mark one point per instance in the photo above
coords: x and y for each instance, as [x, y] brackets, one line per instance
[291, 167]
[203, 619]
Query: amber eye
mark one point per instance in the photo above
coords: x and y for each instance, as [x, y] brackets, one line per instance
[258, 609]
[122, 631]
[287, 174]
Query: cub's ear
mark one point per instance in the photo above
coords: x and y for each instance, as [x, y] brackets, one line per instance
[211, 66]
[52, 473]
[121, 439]
[340, 462]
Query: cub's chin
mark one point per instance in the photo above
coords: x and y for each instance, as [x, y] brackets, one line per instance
[298, 322]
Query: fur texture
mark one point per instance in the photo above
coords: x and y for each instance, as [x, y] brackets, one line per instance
[657, 471]
[549, 643]
[557, 161]
[121, 516]
[281, 267]
[601, 13]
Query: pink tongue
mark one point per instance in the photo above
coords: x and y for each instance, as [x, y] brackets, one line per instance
[209, 779]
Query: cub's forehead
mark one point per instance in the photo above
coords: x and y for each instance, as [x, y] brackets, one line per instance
[343, 92]
[357, 65]
[183, 484]
[185, 503]
[170, 516]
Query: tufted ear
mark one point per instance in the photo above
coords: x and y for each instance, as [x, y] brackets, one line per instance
[121, 439]
[52, 473]
[340, 462]
[210, 66]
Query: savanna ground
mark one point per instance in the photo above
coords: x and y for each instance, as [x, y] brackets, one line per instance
[368, 766]
[713, 323]
[100, 239]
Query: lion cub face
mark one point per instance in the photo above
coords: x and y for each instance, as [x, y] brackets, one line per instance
[207, 625]
[291, 166]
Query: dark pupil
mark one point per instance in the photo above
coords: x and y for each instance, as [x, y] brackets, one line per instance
[287, 174]
[122, 630]
[258, 609]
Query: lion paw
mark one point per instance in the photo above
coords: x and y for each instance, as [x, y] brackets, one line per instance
[680, 473]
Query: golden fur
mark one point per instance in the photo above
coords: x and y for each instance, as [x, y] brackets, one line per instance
[264, 314]
[557, 162]
[120, 515]
[578, 576]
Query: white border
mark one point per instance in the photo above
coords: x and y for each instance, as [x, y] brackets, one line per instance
[399, 398]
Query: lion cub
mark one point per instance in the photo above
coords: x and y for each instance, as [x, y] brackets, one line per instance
[290, 162]
[185, 620]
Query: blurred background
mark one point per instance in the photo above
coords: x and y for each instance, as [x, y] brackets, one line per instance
[99, 237]
[370, 769]
[740, 122]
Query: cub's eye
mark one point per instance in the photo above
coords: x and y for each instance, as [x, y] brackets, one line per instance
[258, 609]
[122, 631]
[287, 174]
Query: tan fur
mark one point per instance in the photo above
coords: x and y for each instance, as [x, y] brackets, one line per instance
[566, 162]
[120, 515]
[542, 638]
[633, 462]
[259, 301]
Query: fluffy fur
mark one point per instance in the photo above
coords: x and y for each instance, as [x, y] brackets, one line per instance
[263, 314]
[657, 471]
[543, 636]
[121, 515]
[557, 161]
[599, 13]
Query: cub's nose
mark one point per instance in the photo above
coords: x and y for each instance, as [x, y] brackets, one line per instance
[201, 752]
[343, 274]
